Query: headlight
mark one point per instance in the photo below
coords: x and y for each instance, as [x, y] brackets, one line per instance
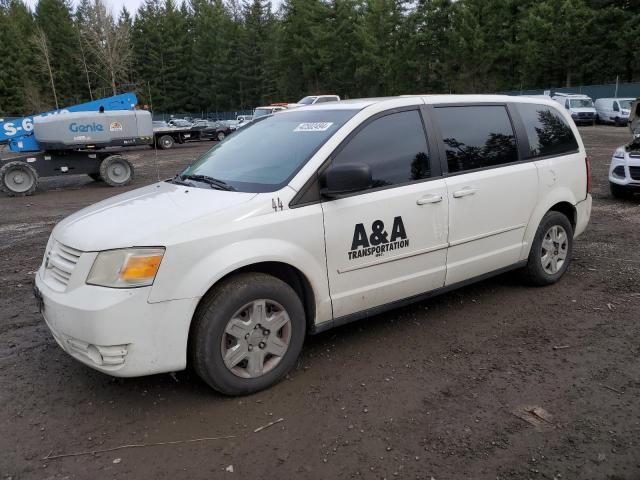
[619, 153]
[126, 268]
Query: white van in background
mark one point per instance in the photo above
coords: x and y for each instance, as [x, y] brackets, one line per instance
[579, 106]
[613, 110]
[314, 99]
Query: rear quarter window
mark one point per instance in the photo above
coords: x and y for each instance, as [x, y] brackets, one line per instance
[477, 136]
[547, 131]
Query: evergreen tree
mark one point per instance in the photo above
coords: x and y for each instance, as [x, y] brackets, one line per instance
[54, 18]
[19, 93]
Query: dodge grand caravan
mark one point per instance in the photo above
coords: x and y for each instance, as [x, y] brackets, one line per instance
[309, 219]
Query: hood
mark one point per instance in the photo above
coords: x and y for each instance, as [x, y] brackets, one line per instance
[140, 216]
[634, 118]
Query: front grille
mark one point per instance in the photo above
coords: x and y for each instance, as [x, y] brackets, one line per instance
[585, 115]
[634, 172]
[60, 262]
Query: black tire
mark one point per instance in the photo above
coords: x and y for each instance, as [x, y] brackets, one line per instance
[534, 271]
[165, 142]
[116, 171]
[220, 136]
[95, 177]
[211, 319]
[18, 179]
[618, 191]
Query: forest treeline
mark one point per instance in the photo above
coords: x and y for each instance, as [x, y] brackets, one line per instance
[216, 55]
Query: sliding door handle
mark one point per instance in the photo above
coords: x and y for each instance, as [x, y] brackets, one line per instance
[429, 199]
[465, 192]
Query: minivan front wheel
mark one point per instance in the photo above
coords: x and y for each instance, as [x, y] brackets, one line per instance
[247, 333]
[551, 250]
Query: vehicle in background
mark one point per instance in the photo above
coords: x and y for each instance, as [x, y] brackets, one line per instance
[310, 219]
[579, 106]
[243, 120]
[85, 138]
[624, 171]
[166, 134]
[263, 111]
[313, 99]
[179, 122]
[613, 110]
[160, 124]
[211, 130]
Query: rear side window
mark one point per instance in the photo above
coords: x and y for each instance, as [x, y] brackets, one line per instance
[547, 131]
[394, 147]
[476, 136]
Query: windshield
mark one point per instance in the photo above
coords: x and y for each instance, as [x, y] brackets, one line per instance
[261, 112]
[264, 155]
[581, 103]
[307, 100]
[625, 104]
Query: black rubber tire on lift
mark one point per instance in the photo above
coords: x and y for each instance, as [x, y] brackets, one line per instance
[165, 142]
[116, 171]
[12, 174]
[618, 191]
[211, 319]
[534, 272]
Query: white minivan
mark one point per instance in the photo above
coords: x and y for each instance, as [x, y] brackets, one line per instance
[613, 110]
[310, 219]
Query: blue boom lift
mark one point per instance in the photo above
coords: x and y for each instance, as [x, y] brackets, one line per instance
[75, 140]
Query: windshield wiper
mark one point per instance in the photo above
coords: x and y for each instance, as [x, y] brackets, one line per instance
[178, 180]
[212, 182]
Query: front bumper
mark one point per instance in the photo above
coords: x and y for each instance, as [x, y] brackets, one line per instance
[626, 171]
[117, 331]
[584, 120]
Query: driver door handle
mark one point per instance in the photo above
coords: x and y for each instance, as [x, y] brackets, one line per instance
[466, 191]
[429, 199]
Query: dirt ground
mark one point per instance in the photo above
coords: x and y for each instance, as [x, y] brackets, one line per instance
[495, 381]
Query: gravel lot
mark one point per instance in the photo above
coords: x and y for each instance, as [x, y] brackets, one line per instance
[466, 385]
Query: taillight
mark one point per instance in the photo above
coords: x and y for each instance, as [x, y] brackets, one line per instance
[588, 166]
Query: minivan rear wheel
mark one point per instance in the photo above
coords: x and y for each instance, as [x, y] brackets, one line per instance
[551, 250]
[247, 333]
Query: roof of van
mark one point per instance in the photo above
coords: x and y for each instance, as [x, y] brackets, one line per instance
[610, 99]
[361, 103]
[570, 95]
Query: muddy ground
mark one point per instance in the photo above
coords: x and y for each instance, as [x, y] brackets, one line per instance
[435, 390]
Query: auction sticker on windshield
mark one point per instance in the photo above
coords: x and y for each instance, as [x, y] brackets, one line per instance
[313, 127]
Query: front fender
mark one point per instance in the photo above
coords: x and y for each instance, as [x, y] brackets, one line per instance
[174, 282]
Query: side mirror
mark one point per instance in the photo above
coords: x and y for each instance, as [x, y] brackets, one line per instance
[340, 180]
